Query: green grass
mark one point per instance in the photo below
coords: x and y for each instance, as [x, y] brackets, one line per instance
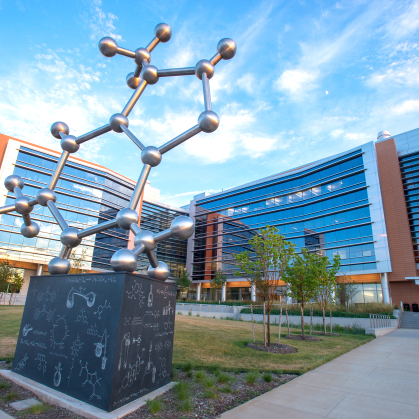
[185, 405]
[208, 393]
[38, 409]
[189, 374]
[4, 385]
[224, 378]
[182, 390]
[226, 389]
[154, 406]
[204, 343]
[208, 382]
[200, 376]
[12, 395]
[267, 377]
[251, 378]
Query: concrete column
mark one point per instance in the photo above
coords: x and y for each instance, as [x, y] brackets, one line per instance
[253, 293]
[224, 292]
[39, 269]
[385, 286]
[198, 292]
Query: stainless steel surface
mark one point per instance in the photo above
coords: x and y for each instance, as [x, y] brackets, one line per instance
[12, 181]
[44, 195]
[179, 139]
[170, 72]
[57, 215]
[116, 120]
[132, 137]
[97, 228]
[136, 195]
[58, 169]
[207, 93]
[59, 127]
[134, 98]
[151, 156]
[93, 134]
[208, 121]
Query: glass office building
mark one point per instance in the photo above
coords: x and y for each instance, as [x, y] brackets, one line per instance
[87, 194]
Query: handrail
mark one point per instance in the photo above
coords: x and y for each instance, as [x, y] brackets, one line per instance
[379, 321]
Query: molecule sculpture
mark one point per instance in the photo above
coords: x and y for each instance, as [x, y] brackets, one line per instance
[127, 218]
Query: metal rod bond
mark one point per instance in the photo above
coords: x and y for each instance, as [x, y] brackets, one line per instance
[97, 228]
[153, 259]
[137, 71]
[32, 202]
[131, 136]
[134, 98]
[57, 215]
[58, 169]
[18, 191]
[138, 250]
[93, 134]
[169, 72]
[27, 219]
[7, 208]
[216, 58]
[65, 252]
[153, 44]
[207, 92]
[135, 228]
[136, 195]
[125, 52]
[163, 235]
[179, 139]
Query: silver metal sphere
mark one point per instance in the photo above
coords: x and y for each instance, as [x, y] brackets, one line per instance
[44, 195]
[69, 237]
[208, 121]
[227, 48]
[160, 273]
[68, 143]
[30, 231]
[59, 266]
[204, 66]
[146, 239]
[163, 32]
[141, 54]
[124, 260]
[149, 74]
[151, 155]
[126, 217]
[116, 120]
[58, 127]
[108, 46]
[12, 181]
[182, 227]
[132, 81]
[22, 205]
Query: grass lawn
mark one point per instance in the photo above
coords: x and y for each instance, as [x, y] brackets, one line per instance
[205, 342]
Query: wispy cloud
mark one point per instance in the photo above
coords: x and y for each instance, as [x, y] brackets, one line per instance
[101, 23]
[406, 107]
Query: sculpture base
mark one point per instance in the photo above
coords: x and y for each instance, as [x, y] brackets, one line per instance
[104, 339]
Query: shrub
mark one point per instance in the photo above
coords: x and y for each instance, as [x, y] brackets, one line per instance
[154, 405]
[224, 378]
[12, 395]
[208, 382]
[189, 374]
[267, 377]
[251, 378]
[185, 405]
[188, 366]
[208, 393]
[182, 390]
[38, 409]
[200, 376]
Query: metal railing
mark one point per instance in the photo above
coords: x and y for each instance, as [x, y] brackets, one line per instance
[206, 308]
[378, 321]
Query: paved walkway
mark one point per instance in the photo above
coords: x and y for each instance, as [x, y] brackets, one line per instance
[377, 380]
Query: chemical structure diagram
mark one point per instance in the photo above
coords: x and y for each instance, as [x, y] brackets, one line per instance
[100, 309]
[127, 218]
[81, 317]
[42, 362]
[91, 379]
[49, 314]
[75, 349]
[136, 292]
[59, 332]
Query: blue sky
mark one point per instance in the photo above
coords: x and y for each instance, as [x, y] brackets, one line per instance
[310, 79]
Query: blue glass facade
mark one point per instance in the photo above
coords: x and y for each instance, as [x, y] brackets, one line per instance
[324, 208]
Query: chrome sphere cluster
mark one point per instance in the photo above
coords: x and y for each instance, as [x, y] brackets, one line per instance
[151, 156]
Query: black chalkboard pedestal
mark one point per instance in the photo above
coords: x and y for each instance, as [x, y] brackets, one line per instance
[104, 339]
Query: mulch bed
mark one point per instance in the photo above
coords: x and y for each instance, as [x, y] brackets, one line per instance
[275, 348]
[299, 337]
[327, 334]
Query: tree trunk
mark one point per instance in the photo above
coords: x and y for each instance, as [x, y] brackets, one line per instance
[268, 327]
[311, 320]
[253, 325]
[288, 322]
[264, 327]
[324, 319]
[331, 320]
[302, 322]
[280, 321]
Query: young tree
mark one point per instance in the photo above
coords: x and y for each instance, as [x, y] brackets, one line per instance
[11, 280]
[326, 281]
[218, 280]
[301, 279]
[183, 282]
[346, 290]
[77, 262]
[264, 266]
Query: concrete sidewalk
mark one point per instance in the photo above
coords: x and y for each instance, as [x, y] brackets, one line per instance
[377, 380]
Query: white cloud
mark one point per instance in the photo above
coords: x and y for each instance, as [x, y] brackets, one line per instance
[358, 137]
[101, 23]
[296, 82]
[400, 72]
[405, 24]
[337, 133]
[406, 107]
